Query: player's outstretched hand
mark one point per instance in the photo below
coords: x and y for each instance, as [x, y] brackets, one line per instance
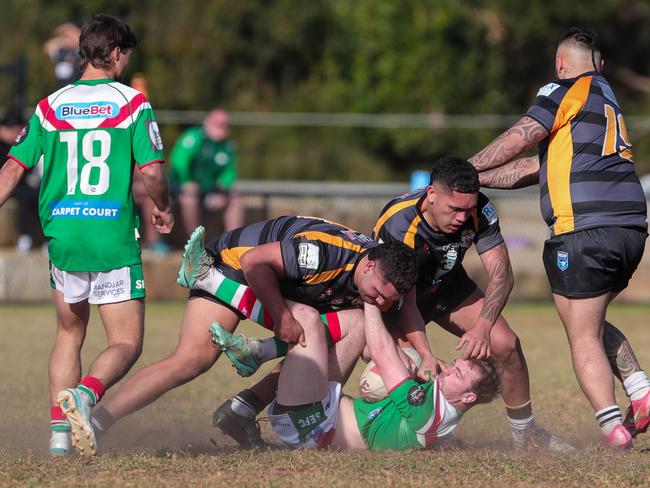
[163, 220]
[477, 341]
[290, 331]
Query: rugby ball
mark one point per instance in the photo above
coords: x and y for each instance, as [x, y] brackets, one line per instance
[371, 387]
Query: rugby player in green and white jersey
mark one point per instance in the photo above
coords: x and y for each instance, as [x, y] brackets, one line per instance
[310, 412]
[89, 135]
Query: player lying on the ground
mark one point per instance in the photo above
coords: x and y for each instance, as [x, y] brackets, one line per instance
[310, 412]
[323, 266]
[441, 222]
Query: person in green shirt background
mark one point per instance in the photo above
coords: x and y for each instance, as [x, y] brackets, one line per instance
[204, 165]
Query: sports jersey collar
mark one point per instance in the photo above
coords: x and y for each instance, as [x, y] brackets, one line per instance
[575, 78]
[450, 417]
[99, 81]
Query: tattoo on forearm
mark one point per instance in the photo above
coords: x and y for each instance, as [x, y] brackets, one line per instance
[497, 264]
[516, 174]
[510, 144]
[619, 352]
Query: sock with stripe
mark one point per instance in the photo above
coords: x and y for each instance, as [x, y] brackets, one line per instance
[521, 417]
[266, 349]
[58, 421]
[93, 388]
[637, 385]
[608, 418]
[247, 404]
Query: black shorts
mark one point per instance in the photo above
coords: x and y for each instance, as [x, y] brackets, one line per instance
[593, 262]
[195, 293]
[439, 301]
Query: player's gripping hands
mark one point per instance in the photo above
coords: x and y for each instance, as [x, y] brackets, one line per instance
[477, 340]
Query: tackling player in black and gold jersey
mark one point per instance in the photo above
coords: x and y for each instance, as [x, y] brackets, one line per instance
[441, 222]
[290, 274]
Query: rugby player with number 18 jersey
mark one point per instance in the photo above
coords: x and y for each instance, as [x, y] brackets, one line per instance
[90, 134]
[593, 203]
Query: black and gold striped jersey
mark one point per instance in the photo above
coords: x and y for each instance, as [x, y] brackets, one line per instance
[319, 258]
[438, 253]
[587, 176]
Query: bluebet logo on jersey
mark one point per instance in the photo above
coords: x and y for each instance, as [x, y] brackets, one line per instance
[87, 110]
[86, 209]
[562, 260]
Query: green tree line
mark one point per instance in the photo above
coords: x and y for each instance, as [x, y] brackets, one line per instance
[372, 56]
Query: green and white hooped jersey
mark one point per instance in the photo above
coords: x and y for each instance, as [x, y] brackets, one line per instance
[90, 134]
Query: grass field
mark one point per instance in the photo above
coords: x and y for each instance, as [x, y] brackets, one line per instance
[172, 443]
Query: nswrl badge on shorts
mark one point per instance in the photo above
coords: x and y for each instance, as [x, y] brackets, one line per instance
[562, 260]
[308, 419]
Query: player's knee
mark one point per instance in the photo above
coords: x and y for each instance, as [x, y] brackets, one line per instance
[131, 350]
[136, 350]
[186, 367]
[307, 316]
[504, 345]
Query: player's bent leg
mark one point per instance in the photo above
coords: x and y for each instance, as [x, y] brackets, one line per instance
[345, 352]
[65, 359]
[194, 355]
[515, 382]
[635, 381]
[584, 322]
[124, 325]
[65, 365]
[306, 405]
[303, 378]
[236, 417]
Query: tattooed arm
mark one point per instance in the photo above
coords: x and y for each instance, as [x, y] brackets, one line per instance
[521, 136]
[497, 264]
[515, 174]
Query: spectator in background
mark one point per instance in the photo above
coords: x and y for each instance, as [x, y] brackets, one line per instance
[204, 163]
[26, 192]
[151, 239]
[63, 50]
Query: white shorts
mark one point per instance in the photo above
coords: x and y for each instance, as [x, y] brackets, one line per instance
[305, 429]
[116, 285]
